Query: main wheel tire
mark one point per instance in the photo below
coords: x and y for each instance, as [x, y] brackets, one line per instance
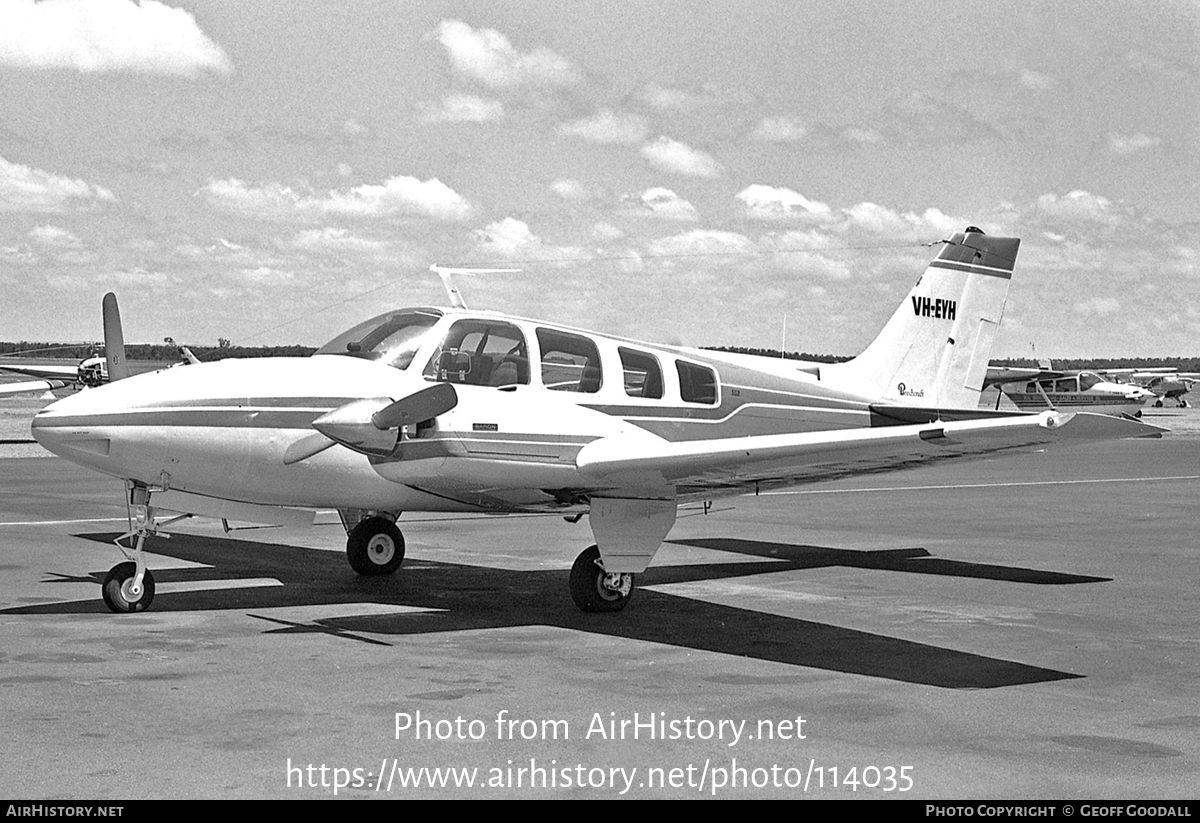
[116, 589]
[375, 547]
[587, 585]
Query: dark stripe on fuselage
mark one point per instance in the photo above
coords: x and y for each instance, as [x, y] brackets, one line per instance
[238, 418]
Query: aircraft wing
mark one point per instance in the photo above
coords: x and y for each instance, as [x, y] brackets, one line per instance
[7, 389]
[697, 466]
[997, 376]
[67, 373]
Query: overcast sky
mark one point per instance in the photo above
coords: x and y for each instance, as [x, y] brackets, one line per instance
[706, 172]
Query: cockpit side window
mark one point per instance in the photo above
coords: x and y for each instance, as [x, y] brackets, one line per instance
[570, 362]
[643, 374]
[392, 338]
[1069, 384]
[1087, 379]
[481, 353]
[697, 384]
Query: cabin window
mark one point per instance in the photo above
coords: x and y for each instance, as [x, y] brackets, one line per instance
[481, 353]
[1066, 386]
[570, 362]
[1087, 380]
[392, 338]
[643, 375]
[697, 384]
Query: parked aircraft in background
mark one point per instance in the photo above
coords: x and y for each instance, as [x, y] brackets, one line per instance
[1164, 383]
[91, 371]
[448, 409]
[1034, 390]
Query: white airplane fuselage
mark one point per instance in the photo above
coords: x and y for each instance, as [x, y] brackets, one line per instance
[223, 429]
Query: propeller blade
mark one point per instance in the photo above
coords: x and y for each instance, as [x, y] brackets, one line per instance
[114, 340]
[422, 405]
[307, 447]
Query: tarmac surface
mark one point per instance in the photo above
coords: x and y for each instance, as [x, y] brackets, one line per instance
[1021, 627]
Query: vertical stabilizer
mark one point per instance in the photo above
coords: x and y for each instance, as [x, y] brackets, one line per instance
[114, 340]
[934, 352]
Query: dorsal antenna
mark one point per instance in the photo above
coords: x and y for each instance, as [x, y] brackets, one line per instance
[448, 272]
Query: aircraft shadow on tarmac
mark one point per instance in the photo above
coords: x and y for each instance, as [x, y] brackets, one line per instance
[465, 598]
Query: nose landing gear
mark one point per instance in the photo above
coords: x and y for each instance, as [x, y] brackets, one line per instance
[129, 586]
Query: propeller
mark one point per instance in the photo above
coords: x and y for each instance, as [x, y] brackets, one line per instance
[372, 426]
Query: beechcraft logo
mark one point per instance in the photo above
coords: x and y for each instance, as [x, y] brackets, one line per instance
[939, 308]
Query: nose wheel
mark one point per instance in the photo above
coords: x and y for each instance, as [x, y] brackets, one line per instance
[124, 593]
[595, 590]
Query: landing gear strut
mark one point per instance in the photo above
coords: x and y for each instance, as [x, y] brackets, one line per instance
[595, 590]
[129, 586]
[375, 547]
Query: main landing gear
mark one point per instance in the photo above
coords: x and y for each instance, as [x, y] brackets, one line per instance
[595, 590]
[374, 546]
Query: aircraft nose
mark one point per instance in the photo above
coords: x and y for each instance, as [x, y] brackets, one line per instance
[70, 428]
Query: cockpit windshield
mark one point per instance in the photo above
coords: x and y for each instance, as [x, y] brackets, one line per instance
[1088, 379]
[393, 338]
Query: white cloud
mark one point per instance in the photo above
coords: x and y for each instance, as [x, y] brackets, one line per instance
[106, 35]
[335, 240]
[1099, 306]
[1078, 206]
[779, 130]
[862, 136]
[398, 195]
[508, 237]
[1128, 144]
[672, 156]
[702, 241]
[769, 203]
[23, 188]
[511, 238]
[660, 202]
[1036, 80]
[607, 232]
[569, 189]
[881, 220]
[54, 236]
[461, 108]
[487, 56]
[605, 126]
[267, 275]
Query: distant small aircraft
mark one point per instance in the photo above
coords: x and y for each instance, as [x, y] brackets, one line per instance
[91, 372]
[454, 410]
[1163, 383]
[1034, 390]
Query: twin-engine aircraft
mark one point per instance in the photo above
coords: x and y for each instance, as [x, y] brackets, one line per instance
[453, 410]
